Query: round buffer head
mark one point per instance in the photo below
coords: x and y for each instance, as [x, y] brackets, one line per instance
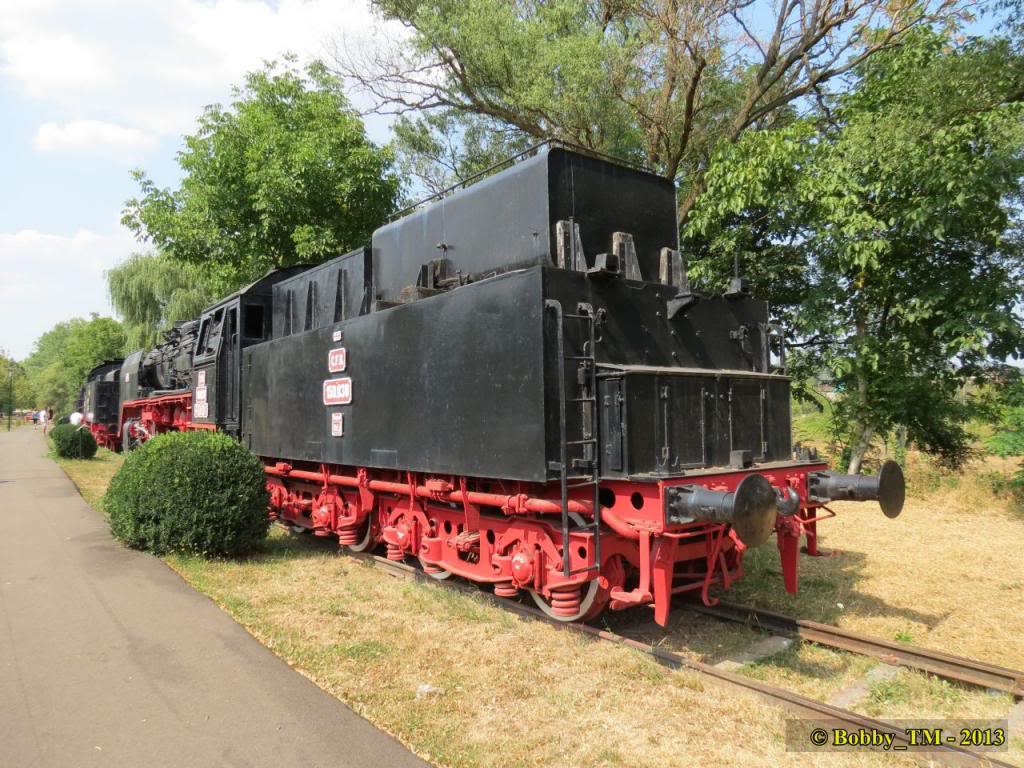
[892, 489]
[754, 508]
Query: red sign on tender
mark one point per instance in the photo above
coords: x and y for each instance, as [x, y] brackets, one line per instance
[338, 391]
[336, 360]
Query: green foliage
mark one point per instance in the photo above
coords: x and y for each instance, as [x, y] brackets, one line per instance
[283, 176]
[63, 355]
[663, 83]
[1009, 487]
[190, 492]
[886, 234]
[1008, 439]
[15, 390]
[151, 292]
[71, 442]
[441, 149]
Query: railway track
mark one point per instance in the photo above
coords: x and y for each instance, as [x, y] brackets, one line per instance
[946, 665]
[801, 706]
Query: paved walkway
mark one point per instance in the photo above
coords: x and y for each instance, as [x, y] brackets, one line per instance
[107, 658]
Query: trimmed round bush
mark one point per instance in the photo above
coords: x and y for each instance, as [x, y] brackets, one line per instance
[191, 492]
[71, 442]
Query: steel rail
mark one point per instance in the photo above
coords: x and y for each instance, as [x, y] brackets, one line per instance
[945, 754]
[939, 663]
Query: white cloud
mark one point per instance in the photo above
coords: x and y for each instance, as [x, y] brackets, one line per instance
[152, 66]
[109, 139]
[115, 78]
[46, 278]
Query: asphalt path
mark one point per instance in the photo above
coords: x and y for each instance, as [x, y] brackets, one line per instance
[108, 658]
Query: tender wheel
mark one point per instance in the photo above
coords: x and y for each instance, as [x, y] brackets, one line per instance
[364, 540]
[298, 529]
[434, 571]
[613, 576]
[572, 603]
[568, 604]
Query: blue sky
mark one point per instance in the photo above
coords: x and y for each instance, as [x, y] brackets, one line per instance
[90, 89]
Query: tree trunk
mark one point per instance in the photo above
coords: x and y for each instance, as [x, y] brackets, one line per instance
[901, 444]
[860, 446]
[863, 432]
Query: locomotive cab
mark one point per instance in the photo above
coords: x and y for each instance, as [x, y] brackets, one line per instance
[225, 329]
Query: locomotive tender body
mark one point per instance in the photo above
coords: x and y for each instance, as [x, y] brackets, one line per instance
[513, 384]
[466, 383]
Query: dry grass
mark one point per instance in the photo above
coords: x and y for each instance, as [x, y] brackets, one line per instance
[92, 476]
[515, 693]
[944, 575]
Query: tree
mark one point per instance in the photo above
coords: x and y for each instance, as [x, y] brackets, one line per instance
[442, 149]
[886, 232]
[63, 356]
[659, 81]
[285, 175]
[151, 292]
[13, 373]
[1008, 438]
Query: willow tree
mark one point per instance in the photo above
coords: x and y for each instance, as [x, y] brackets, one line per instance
[151, 292]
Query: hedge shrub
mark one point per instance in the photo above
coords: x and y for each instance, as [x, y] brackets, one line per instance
[71, 442]
[192, 492]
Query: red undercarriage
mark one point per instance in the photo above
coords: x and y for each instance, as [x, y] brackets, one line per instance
[148, 417]
[508, 534]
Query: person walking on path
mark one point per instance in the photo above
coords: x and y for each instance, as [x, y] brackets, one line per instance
[42, 419]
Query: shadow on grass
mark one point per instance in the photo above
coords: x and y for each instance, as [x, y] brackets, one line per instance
[281, 544]
[828, 589]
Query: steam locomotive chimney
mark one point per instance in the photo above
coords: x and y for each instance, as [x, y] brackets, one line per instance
[887, 488]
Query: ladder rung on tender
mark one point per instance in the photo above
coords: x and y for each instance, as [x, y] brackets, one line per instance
[588, 439]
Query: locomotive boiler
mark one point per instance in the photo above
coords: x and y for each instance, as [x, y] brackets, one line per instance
[515, 384]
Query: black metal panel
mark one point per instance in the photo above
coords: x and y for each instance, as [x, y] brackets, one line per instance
[497, 224]
[611, 429]
[508, 220]
[675, 420]
[686, 416]
[715, 333]
[450, 384]
[100, 402]
[105, 371]
[604, 198]
[778, 419]
[747, 418]
[336, 290]
[129, 377]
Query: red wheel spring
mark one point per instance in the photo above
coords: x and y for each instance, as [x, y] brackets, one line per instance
[395, 553]
[566, 601]
[506, 589]
[349, 534]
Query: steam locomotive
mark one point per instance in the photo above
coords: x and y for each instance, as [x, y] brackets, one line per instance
[514, 384]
